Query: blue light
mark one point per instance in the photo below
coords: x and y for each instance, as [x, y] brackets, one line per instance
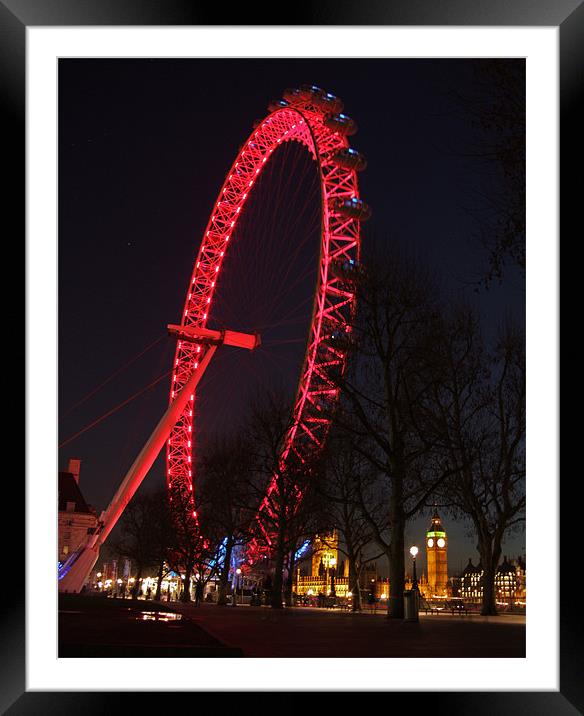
[302, 550]
[221, 555]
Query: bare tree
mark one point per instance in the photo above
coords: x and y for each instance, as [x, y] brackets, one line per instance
[347, 479]
[382, 393]
[286, 487]
[143, 536]
[161, 531]
[189, 545]
[477, 413]
[230, 502]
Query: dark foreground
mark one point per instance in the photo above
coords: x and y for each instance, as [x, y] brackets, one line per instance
[99, 627]
[310, 632]
[90, 626]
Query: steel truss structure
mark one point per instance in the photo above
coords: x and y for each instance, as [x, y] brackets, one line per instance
[74, 573]
[305, 117]
[313, 118]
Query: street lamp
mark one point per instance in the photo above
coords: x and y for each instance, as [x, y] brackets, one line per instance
[414, 552]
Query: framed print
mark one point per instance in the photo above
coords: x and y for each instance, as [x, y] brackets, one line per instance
[127, 120]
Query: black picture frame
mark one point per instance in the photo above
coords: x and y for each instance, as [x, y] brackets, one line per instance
[17, 15]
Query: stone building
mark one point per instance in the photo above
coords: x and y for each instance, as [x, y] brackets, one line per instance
[76, 518]
[510, 584]
[327, 575]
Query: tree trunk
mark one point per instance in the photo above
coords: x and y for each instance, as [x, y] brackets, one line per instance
[395, 604]
[224, 577]
[136, 587]
[289, 582]
[186, 592]
[354, 583]
[489, 602]
[276, 601]
[490, 556]
[158, 593]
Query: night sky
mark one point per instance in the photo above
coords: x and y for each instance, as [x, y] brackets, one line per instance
[144, 146]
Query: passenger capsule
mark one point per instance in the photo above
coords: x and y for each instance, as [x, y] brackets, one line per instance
[277, 104]
[351, 208]
[350, 159]
[347, 270]
[329, 104]
[310, 93]
[292, 96]
[341, 123]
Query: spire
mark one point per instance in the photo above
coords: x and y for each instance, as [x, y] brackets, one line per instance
[436, 523]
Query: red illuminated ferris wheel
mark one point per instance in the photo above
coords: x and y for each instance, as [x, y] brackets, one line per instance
[313, 118]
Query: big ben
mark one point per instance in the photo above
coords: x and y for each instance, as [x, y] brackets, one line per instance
[436, 555]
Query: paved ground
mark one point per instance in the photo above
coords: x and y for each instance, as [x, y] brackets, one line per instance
[100, 627]
[310, 632]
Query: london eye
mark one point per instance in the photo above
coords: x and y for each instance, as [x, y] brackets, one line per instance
[314, 119]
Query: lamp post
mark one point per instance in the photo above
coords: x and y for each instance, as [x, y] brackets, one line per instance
[414, 552]
[333, 563]
[411, 597]
[238, 584]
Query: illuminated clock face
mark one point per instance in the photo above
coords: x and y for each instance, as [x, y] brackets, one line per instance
[430, 542]
[441, 542]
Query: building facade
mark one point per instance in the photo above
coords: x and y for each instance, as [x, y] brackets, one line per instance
[76, 519]
[329, 576]
[510, 585]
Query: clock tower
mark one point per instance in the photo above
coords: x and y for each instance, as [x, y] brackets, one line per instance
[436, 556]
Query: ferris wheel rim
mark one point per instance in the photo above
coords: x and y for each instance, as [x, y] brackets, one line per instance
[305, 128]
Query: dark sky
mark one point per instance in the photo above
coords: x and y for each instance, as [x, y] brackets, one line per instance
[144, 146]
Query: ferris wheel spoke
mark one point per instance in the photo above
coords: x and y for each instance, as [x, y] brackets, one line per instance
[275, 194]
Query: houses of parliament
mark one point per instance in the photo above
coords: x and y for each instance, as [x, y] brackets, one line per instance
[329, 574]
